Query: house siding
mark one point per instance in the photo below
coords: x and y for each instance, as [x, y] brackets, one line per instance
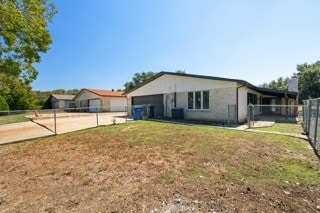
[118, 104]
[243, 104]
[219, 99]
[83, 99]
[59, 104]
[221, 93]
[107, 103]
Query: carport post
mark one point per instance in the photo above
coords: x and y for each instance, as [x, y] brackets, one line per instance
[97, 116]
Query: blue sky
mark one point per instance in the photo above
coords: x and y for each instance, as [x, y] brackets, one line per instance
[102, 43]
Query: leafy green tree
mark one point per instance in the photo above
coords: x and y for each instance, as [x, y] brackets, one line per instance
[3, 105]
[137, 79]
[17, 94]
[309, 80]
[24, 35]
[280, 84]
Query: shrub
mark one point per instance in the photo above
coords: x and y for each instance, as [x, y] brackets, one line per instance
[3, 106]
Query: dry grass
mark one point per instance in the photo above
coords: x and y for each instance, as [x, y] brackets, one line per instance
[149, 166]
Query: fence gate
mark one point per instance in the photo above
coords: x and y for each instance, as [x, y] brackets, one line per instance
[271, 113]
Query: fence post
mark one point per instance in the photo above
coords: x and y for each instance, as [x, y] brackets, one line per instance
[304, 115]
[97, 116]
[127, 112]
[248, 116]
[228, 114]
[252, 111]
[309, 117]
[316, 127]
[55, 121]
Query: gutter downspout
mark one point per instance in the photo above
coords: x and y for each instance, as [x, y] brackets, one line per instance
[237, 102]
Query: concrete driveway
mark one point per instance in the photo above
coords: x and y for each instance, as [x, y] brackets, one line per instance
[65, 122]
[22, 131]
[69, 122]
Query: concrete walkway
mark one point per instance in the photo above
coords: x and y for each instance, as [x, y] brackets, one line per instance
[267, 124]
[301, 136]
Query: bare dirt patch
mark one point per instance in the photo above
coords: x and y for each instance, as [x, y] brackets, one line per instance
[151, 167]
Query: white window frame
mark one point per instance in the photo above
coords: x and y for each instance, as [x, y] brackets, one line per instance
[201, 100]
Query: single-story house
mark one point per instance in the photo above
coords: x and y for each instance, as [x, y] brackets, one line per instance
[101, 100]
[205, 97]
[61, 101]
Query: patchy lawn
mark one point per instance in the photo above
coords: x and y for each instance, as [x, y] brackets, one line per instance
[284, 128]
[8, 119]
[149, 166]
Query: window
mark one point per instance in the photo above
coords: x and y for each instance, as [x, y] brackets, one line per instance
[252, 99]
[190, 100]
[205, 99]
[198, 100]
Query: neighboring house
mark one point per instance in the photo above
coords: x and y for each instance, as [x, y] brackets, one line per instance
[101, 100]
[205, 97]
[61, 101]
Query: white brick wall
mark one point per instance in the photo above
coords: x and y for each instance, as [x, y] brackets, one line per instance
[218, 105]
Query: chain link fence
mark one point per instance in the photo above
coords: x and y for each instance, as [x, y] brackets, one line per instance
[27, 124]
[266, 115]
[311, 125]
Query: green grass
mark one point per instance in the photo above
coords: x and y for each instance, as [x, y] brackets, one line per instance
[289, 170]
[8, 119]
[284, 128]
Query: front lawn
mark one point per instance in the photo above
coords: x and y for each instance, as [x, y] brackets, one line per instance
[284, 128]
[8, 119]
[148, 166]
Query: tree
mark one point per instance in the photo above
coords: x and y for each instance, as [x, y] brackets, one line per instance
[24, 35]
[137, 79]
[309, 80]
[280, 84]
[17, 94]
[3, 105]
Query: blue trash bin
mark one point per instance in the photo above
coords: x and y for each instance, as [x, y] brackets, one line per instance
[137, 112]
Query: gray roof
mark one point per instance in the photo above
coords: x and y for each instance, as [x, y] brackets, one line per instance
[251, 86]
[63, 97]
